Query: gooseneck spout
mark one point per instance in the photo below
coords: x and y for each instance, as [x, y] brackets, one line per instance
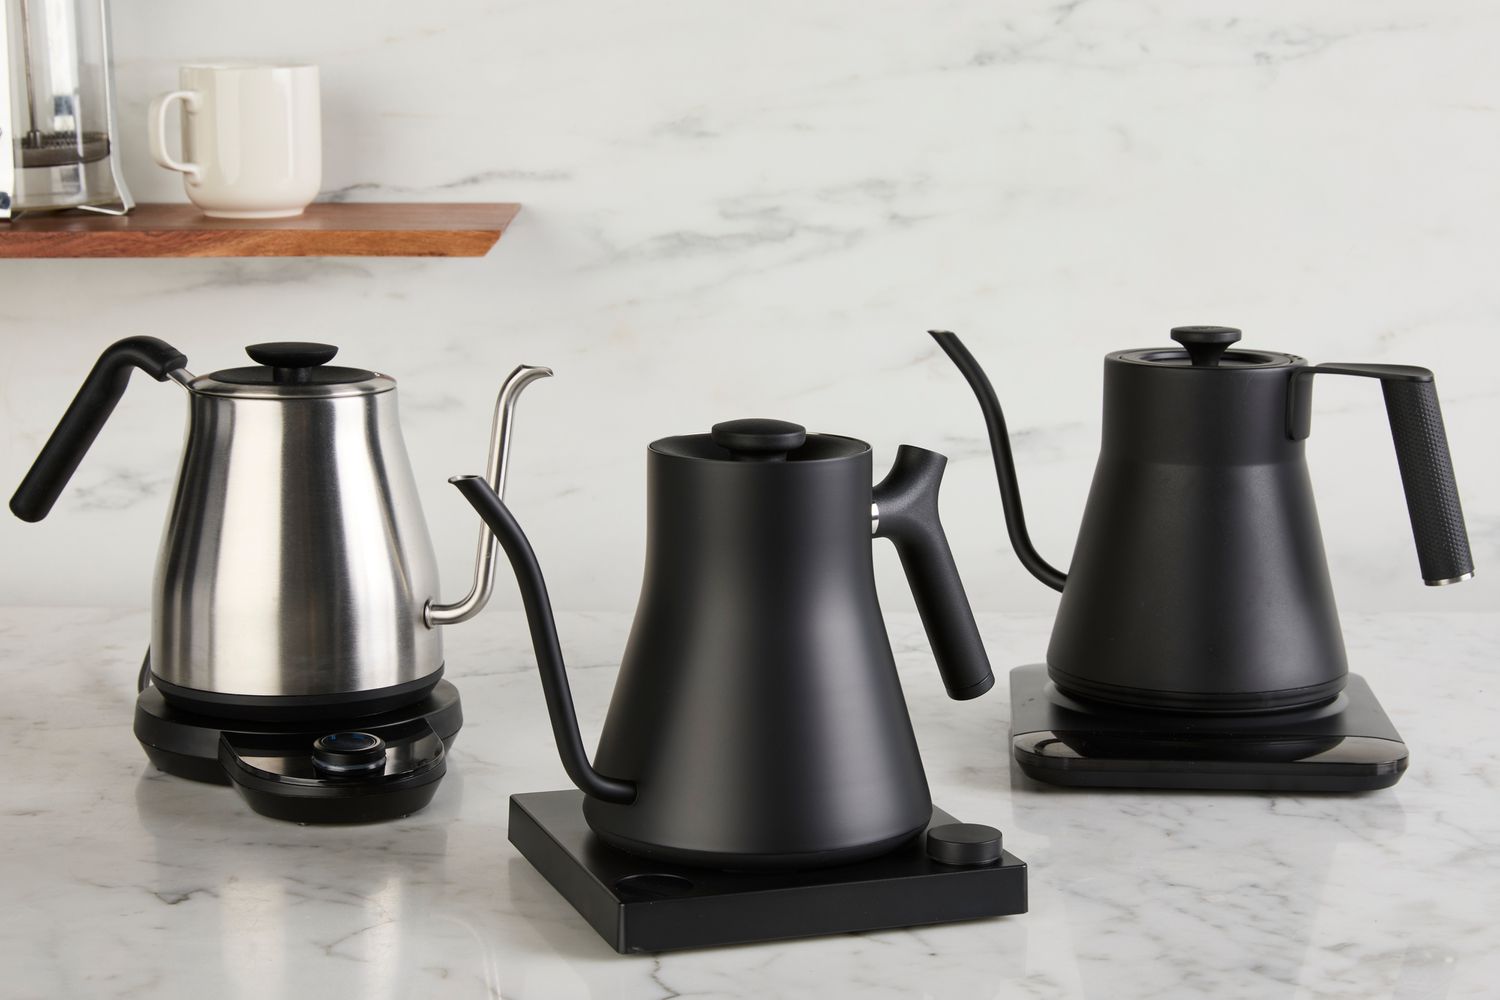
[549, 657]
[484, 557]
[1005, 467]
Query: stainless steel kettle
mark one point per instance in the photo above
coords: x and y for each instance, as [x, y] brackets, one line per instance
[296, 574]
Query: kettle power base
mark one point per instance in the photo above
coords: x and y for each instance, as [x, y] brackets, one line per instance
[640, 905]
[271, 764]
[1348, 745]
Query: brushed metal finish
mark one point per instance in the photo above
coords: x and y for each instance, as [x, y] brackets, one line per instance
[1451, 580]
[484, 557]
[207, 385]
[296, 559]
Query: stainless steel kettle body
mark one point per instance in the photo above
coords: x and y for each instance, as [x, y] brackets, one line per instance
[296, 561]
[296, 574]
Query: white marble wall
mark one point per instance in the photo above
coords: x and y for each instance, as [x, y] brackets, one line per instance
[757, 209]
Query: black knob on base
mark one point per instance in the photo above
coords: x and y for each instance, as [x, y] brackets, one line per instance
[1205, 344]
[759, 440]
[348, 755]
[964, 844]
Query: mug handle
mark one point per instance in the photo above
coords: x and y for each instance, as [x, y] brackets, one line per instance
[157, 122]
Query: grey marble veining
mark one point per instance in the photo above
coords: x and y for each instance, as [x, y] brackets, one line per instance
[121, 882]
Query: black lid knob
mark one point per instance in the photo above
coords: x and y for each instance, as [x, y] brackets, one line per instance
[291, 360]
[1205, 344]
[759, 439]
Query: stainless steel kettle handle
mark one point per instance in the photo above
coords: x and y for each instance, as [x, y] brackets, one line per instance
[484, 558]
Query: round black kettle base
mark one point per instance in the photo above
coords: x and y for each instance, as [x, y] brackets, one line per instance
[640, 905]
[1347, 745]
[363, 769]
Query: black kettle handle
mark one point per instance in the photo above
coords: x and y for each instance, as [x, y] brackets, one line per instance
[906, 512]
[1411, 405]
[85, 418]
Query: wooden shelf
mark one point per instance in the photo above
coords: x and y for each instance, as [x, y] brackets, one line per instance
[342, 229]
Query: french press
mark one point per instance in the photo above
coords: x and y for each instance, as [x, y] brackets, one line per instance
[58, 133]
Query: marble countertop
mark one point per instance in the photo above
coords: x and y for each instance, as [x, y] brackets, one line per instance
[118, 881]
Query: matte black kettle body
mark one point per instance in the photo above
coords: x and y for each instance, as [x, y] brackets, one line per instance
[758, 721]
[1199, 581]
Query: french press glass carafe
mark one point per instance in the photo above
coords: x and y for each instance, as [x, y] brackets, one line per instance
[57, 120]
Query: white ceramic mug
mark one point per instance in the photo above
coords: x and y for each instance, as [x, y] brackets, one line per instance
[252, 143]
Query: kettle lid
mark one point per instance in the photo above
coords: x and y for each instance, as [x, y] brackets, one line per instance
[758, 439]
[762, 440]
[1207, 347]
[292, 368]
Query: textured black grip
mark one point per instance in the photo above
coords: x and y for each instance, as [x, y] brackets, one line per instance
[85, 418]
[906, 504]
[1437, 517]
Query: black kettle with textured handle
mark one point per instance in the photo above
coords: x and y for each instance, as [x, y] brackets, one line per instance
[1199, 582]
[758, 722]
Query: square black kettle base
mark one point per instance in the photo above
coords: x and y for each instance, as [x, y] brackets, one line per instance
[1347, 745]
[639, 905]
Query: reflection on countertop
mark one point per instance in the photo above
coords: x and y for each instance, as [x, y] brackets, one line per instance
[124, 882]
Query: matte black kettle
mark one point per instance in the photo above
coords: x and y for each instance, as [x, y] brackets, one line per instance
[758, 721]
[1199, 581]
